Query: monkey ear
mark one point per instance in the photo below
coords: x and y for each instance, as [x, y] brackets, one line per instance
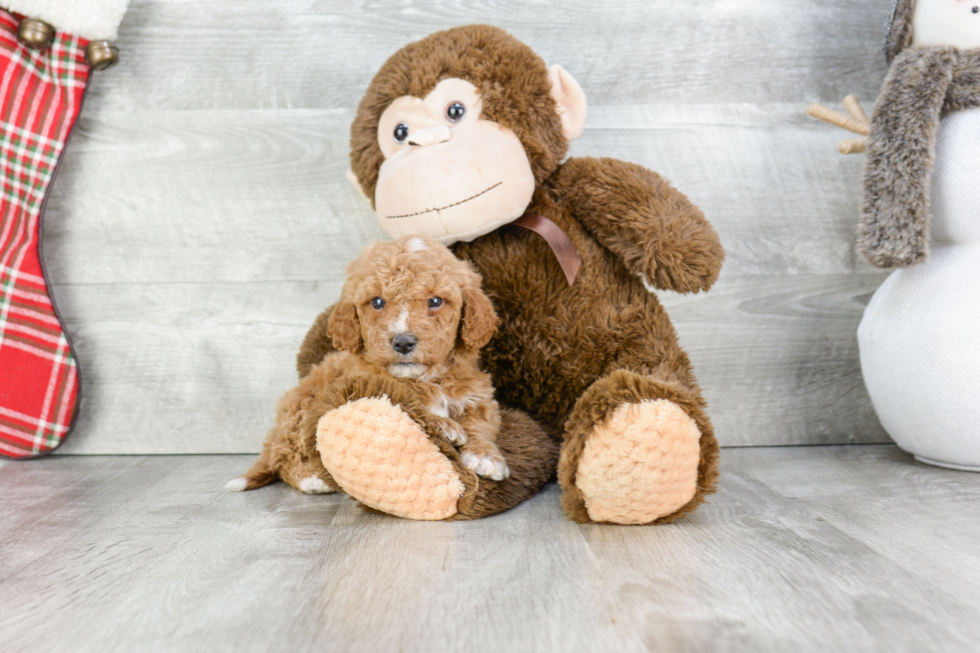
[344, 328]
[352, 178]
[479, 319]
[570, 99]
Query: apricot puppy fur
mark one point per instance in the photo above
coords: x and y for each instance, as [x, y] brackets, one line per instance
[411, 310]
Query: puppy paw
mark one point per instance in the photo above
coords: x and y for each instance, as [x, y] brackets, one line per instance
[452, 432]
[239, 484]
[490, 465]
[315, 485]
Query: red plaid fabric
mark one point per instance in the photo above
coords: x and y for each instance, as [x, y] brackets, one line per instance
[41, 95]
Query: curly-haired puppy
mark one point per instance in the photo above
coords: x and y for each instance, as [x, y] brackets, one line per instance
[412, 310]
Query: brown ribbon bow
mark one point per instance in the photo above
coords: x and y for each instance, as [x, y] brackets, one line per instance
[558, 240]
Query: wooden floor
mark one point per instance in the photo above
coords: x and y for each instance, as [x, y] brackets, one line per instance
[843, 548]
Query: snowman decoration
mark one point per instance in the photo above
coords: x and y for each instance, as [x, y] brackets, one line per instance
[920, 336]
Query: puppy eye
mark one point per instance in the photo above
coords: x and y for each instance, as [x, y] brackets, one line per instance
[976, 10]
[435, 302]
[455, 111]
[378, 303]
[401, 132]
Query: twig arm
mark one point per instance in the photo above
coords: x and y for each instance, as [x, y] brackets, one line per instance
[854, 108]
[855, 120]
[853, 146]
[850, 123]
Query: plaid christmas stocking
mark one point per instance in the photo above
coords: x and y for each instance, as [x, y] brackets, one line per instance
[41, 90]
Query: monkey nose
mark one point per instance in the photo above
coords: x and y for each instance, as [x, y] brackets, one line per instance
[429, 136]
[404, 343]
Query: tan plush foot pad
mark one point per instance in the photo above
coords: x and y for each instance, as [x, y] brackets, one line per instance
[641, 464]
[379, 456]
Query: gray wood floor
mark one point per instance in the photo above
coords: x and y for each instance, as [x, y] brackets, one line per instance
[843, 548]
[201, 218]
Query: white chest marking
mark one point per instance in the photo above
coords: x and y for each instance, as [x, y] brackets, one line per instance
[443, 406]
[440, 406]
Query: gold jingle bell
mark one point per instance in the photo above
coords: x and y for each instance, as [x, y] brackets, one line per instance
[35, 34]
[101, 55]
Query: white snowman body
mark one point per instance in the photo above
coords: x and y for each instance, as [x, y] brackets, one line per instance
[920, 336]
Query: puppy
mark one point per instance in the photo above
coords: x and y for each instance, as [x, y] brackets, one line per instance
[411, 310]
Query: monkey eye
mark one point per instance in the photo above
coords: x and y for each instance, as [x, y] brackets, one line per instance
[377, 303]
[401, 132]
[435, 302]
[455, 111]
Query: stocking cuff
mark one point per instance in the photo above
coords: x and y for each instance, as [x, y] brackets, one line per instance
[89, 19]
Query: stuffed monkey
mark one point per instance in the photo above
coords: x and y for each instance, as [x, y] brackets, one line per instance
[461, 137]
[919, 351]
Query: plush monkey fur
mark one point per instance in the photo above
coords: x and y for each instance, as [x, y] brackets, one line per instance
[567, 355]
[924, 83]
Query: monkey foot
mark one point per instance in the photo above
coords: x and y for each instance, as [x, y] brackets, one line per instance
[640, 464]
[382, 458]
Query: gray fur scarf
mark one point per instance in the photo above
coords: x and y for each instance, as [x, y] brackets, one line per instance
[923, 85]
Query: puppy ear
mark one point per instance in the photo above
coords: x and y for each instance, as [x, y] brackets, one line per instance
[479, 319]
[344, 328]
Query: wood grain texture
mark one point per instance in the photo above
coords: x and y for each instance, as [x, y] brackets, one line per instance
[184, 367]
[261, 195]
[855, 548]
[201, 218]
[218, 54]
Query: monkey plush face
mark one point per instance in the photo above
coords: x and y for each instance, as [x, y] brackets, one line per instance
[448, 172]
[947, 22]
[450, 142]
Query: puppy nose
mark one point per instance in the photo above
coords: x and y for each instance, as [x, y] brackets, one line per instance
[404, 343]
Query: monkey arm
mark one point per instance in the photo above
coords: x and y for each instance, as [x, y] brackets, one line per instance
[894, 226]
[640, 217]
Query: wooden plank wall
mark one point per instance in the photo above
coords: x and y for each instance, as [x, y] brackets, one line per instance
[201, 218]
